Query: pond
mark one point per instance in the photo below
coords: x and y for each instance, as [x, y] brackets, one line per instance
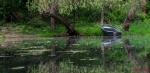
[75, 55]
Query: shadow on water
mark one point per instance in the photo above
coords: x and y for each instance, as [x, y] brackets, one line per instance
[76, 55]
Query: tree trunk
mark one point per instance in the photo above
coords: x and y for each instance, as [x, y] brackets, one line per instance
[4, 17]
[130, 15]
[74, 17]
[52, 23]
[71, 31]
[102, 16]
[11, 17]
[73, 13]
[143, 6]
[148, 57]
[102, 13]
[54, 8]
[4, 13]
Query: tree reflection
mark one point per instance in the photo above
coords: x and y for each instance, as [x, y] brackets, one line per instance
[130, 52]
[55, 55]
[140, 62]
[108, 41]
[49, 62]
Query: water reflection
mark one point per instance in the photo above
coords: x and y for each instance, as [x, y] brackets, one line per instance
[77, 55]
[108, 41]
[69, 44]
[50, 62]
[140, 63]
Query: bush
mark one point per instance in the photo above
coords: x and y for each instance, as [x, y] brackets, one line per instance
[36, 22]
[148, 8]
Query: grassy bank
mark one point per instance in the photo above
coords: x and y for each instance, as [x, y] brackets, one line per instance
[139, 28]
[85, 28]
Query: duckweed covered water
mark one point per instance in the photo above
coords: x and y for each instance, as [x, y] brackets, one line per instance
[75, 55]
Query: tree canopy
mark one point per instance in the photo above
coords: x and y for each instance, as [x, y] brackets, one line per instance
[87, 10]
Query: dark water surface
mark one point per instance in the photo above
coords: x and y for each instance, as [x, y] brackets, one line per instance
[75, 55]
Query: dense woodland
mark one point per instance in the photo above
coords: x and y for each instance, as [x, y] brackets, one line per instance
[38, 13]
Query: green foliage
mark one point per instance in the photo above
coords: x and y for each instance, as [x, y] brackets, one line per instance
[138, 28]
[36, 22]
[140, 17]
[88, 15]
[12, 10]
[83, 27]
[115, 10]
[2, 22]
[148, 7]
[89, 29]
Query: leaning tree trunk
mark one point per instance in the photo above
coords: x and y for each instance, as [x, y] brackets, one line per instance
[130, 15]
[70, 30]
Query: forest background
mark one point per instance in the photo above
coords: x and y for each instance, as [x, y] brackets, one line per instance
[75, 17]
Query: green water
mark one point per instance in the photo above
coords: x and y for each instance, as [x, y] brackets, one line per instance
[75, 55]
